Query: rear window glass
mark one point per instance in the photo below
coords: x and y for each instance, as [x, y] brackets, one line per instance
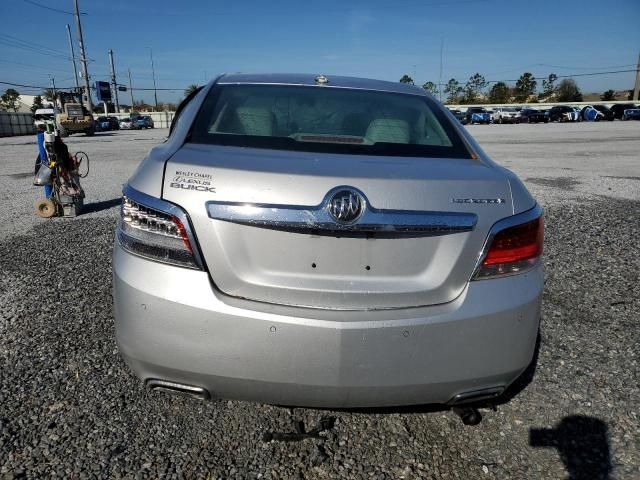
[325, 119]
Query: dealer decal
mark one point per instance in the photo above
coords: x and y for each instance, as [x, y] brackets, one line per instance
[196, 181]
[485, 201]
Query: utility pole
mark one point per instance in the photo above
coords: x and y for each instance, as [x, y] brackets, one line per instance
[636, 90]
[83, 59]
[73, 57]
[131, 90]
[55, 92]
[440, 79]
[114, 84]
[153, 73]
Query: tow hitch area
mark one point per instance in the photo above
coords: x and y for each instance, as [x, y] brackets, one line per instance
[300, 433]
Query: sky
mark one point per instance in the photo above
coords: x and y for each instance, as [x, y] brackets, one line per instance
[193, 41]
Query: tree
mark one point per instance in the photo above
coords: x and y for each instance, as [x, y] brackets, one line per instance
[549, 85]
[49, 95]
[9, 100]
[141, 106]
[37, 103]
[190, 89]
[474, 88]
[568, 91]
[525, 87]
[608, 96]
[453, 90]
[499, 93]
[431, 87]
[407, 79]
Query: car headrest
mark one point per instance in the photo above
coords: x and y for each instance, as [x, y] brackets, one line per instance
[255, 121]
[388, 130]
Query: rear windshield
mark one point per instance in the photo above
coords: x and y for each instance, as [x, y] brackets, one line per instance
[325, 119]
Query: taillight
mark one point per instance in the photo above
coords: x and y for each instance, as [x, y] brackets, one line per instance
[155, 234]
[513, 249]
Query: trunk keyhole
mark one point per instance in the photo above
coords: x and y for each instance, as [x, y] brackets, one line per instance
[313, 265]
[367, 267]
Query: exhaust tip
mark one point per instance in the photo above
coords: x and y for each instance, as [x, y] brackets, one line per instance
[476, 395]
[179, 388]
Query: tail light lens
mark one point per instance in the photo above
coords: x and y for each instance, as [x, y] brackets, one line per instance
[155, 234]
[512, 250]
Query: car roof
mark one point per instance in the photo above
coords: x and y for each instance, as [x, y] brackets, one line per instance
[309, 79]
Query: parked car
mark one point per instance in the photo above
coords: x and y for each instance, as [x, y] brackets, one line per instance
[459, 114]
[631, 113]
[619, 108]
[128, 124]
[114, 123]
[312, 241]
[564, 113]
[144, 122]
[103, 124]
[595, 113]
[477, 115]
[505, 115]
[531, 115]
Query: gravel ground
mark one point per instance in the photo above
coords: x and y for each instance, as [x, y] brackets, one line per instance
[69, 406]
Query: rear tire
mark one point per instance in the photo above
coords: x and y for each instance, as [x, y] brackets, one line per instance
[45, 208]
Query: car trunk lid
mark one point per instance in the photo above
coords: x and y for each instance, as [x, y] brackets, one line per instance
[433, 216]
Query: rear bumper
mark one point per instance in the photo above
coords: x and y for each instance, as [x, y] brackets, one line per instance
[171, 324]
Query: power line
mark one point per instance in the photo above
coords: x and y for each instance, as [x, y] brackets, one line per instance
[31, 44]
[589, 74]
[583, 68]
[50, 8]
[31, 47]
[23, 86]
[611, 72]
[92, 88]
[49, 69]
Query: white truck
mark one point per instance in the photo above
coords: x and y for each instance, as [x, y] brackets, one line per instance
[44, 116]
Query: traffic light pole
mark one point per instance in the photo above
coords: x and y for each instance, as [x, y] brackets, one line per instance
[131, 90]
[636, 89]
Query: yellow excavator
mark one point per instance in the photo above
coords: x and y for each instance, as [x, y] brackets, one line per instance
[74, 117]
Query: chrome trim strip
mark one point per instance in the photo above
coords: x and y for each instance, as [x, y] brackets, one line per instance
[476, 396]
[417, 93]
[317, 219]
[500, 225]
[170, 209]
[180, 388]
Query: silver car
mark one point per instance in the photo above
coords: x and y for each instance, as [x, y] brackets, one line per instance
[328, 242]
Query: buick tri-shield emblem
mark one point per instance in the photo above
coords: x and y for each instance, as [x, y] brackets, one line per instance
[346, 206]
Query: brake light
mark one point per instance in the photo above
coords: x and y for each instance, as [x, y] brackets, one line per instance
[154, 234]
[513, 250]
